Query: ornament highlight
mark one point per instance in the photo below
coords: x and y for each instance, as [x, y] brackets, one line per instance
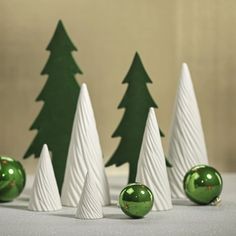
[12, 179]
[203, 184]
[136, 200]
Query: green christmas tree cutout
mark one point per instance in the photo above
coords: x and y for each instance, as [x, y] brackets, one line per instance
[60, 95]
[136, 101]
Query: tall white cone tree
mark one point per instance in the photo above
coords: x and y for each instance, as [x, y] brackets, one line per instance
[84, 153]
[186, 145]
[152, 167]
[89, 206]
[44, 194]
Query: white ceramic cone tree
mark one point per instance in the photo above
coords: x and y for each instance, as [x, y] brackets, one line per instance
[152, 167]
[84, 153]
[186, 145]
[44, 194]
[89, 206]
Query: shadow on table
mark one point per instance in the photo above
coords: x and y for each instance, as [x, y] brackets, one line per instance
[182, 202]
[106, 216]
[117, 217]
[113, 205]
[23, 199]
[64, 215]
[18, 207]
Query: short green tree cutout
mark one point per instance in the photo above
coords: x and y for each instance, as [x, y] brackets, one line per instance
[60, 95]
[136, 101]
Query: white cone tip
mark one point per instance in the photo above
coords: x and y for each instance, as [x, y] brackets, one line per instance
[44, 194]
[83, 89]
[187, 144]
[152, 117]
[84, 152]
[151, 166]
[89, 206]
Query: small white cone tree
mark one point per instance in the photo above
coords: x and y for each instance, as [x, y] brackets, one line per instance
[187, 144]
[152, 167]
[89, 206]
[44, 194]
[84, 153]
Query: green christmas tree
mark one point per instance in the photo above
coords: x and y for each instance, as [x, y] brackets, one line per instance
[60, 94]
[136, 101]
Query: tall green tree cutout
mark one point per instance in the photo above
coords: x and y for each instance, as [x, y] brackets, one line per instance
[136, 101]
[60, 95]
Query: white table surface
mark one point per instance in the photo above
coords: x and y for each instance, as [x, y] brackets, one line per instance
[184, 219]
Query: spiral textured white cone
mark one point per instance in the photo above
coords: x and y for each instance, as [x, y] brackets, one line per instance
[186, 145]
[152, 167]
[89, 206]
[44, 194]
[84, 153]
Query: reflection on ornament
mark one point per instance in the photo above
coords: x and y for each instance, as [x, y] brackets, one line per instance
[12, 179]
[203, 184]
[136, 200]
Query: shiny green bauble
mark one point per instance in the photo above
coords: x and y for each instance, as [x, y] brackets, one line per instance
[136, 200]
[203, 184]
[12, 179]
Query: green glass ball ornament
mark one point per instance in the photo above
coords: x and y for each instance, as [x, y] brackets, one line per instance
[203, 185]
[136, 200]
[12, 179]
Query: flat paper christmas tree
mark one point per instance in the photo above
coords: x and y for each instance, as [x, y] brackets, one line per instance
[60, 95]
[44, 194]
[84, 153]
[137, 101]
[151, 166]
[186, 145]
[89, 206]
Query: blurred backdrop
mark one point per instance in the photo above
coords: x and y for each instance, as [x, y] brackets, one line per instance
[107, 33]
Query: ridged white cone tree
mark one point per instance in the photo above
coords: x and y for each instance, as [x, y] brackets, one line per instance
[89, 206]
[152, 167]
[186, 145]
[84, 153]
[44, 194]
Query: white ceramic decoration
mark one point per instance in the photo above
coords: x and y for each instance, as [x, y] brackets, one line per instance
[84, 152]
[89, 206]
[186, 145]
[152, 167]
[44, 194]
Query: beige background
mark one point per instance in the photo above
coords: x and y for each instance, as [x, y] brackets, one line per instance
[107, 34]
